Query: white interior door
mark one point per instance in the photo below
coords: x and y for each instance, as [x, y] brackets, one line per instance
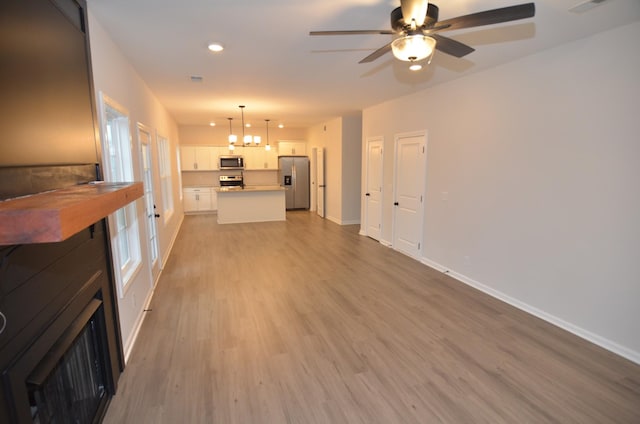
[320, 180]
[144, 137]
[313, 175]
[373, 189]
[410, 172]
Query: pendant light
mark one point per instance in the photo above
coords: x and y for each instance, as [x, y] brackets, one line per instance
[246, 139]
[267, 147]
[232, 137]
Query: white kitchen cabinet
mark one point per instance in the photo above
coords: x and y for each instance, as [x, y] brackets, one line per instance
[255, 158]
[196, 158]
[258, 158]
[271, 158]
[197, 199]
[292, 148]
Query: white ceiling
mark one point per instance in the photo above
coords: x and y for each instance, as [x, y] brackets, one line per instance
[271, 64]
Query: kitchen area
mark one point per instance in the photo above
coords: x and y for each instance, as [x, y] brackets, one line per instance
[246, 184]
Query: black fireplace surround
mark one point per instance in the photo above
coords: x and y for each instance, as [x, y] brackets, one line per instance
[60, 352]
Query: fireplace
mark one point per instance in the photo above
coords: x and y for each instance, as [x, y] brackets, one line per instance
[69, 385]
[60, 352]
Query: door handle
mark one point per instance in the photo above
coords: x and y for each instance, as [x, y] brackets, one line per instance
[395, 204]
[157, 215]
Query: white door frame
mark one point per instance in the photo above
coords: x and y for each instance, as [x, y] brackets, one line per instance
[423, 172]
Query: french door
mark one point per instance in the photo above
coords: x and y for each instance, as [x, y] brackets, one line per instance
[144, 138]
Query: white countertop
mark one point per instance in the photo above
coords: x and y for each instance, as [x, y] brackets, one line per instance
[248, 189]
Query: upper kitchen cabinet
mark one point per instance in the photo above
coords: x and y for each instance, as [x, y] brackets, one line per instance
[292, 148]
[259, 158]
[197, 158]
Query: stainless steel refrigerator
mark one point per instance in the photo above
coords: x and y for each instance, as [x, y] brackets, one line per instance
[294, 176]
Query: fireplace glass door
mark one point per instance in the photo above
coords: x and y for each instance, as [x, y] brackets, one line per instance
[69, 383]
[74, 388]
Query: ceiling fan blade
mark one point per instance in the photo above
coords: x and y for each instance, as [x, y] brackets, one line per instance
[373, 56]
[450, 46]
[414, 10]
[489, 17]
[353, 32]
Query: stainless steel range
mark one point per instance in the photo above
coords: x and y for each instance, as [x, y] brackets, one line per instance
[231, 181]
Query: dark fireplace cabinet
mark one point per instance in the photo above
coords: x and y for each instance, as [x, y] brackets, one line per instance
[60, 349]
[60, 352]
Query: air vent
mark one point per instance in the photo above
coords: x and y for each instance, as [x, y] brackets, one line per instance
[585, 5]
[196, 78]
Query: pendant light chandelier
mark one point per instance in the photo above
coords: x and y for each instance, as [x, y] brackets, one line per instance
[247, 139]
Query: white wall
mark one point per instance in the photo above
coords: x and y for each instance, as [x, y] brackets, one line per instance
[351, 168]
[117, 79]
[329, 136]
[341, 138]
[540, 160]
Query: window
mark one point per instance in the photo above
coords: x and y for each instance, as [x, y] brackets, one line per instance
[179, 166]
[118, 167]
[165, 177]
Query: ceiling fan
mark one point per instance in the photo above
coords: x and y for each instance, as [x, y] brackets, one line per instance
[416, 24]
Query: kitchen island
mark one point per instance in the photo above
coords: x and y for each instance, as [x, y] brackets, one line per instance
[250, 204]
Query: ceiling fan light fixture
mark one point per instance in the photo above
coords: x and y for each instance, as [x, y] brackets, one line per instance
[415, 67]
[412, 48]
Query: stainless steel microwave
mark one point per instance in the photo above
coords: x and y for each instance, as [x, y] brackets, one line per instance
[231, 162]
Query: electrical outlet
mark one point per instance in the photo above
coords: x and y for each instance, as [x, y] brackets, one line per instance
[135, 302]
[445, 196]
[467, 260]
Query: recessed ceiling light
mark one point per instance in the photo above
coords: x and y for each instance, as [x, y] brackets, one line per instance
[280, 125]
[215, 47]
[415, 67]
[212, 124]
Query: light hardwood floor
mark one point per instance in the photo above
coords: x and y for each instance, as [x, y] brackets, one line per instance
[305, 321]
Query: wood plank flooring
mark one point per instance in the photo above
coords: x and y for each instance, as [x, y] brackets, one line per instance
[305, 321]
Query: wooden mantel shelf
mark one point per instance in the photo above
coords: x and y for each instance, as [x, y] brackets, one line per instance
[56, 215]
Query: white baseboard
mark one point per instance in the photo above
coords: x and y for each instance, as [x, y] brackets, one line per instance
[333, 219]
[350, 222]
[341, 222]
[385, 243]
[165, 258]
[578, 331]
[143, 313]
[137, 326]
